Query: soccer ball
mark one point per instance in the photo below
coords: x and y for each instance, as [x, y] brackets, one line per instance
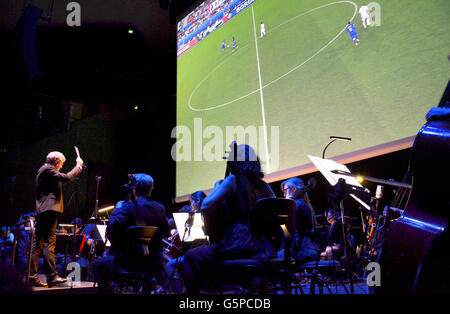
[228, 46]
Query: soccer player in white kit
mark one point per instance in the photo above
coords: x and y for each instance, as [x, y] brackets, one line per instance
[263, 30]
[365, 15]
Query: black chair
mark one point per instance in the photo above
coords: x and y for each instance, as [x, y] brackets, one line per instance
[273, 219]
[132, 271]
[321, 271]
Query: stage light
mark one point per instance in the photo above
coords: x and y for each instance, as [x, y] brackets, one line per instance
[105, 209]
[136, 108]
[359, 179]
[130, 31]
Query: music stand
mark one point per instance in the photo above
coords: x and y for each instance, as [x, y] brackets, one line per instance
[194, 232]
[330, 170]
[76, 241]
[187, 233]
[327, 168]
[102, 231]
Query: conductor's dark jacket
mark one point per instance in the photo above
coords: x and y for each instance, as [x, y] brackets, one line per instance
[49, 188]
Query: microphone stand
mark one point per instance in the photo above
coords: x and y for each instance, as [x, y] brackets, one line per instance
[187, 230]
[97, 178]
[346, 246]
[76, 190]
[11, 198]
[339, 195]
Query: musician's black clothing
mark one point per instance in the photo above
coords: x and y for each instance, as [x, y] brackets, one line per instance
[49, 203]
[45, 243]
[304, 248]
[236, 240]
[23, 246]
[49, 181]
[142, 212]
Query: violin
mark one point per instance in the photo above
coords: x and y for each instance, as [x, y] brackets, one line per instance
[172, 247]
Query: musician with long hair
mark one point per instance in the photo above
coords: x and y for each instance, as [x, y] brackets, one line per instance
[226, 211]
[195, 202]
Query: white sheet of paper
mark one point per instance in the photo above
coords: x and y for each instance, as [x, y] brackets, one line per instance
[196, 229]
[326, 165]
[102, 230]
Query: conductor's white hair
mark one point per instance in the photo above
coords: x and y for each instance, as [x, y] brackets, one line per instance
[52, 157]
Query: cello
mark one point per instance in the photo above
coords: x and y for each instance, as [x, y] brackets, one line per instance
[413, 254]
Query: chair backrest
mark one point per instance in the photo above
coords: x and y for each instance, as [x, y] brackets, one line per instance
[140, 236]
[268, 214]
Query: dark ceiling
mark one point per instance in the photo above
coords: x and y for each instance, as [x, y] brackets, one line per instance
[97, 63]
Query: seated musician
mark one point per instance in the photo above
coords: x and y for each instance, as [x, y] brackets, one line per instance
[173, 260]
[304, 248]
[6, 242]
[333, 238]
[226, 211]
[195, 202]
[140, 212]
[23, 241]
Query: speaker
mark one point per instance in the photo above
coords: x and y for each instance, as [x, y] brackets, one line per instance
[26, 31]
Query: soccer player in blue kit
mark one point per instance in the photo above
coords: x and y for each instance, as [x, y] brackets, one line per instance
[235, 46]
[352, 32]
[224, 45]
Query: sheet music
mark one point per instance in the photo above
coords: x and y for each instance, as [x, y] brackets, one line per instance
[326, 165]
[102, 230]
[196, 229]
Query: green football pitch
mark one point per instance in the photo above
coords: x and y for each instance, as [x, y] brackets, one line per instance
[307, 78]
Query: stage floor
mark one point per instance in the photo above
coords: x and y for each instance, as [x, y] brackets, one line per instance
[80, 287]
[87, 287]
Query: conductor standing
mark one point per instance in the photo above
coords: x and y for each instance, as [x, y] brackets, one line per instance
[49, 202]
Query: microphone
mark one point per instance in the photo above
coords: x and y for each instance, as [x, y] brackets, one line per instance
[340, 138]
[378, 197]
[379, 192]
[189, 222]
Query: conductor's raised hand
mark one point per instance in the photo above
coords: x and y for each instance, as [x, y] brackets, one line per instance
[80, 162]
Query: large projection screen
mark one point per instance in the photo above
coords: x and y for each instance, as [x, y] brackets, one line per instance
[307, 78]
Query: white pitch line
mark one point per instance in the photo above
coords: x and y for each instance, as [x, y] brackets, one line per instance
[261, 94]
[285, 74]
